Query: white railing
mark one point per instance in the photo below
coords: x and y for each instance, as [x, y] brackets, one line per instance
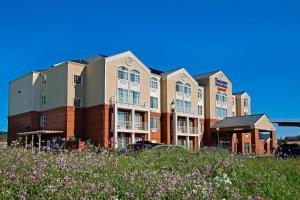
[124, 125]
[128, 102]
[193, 130]
[143, 126]
[181, 129]
[184, 111]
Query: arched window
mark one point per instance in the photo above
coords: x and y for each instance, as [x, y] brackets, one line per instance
[153, 83]
[224, 97]
[135, 76]
[179, 86]
[200, 95]
[187, 89]
[218, 96]
[246, 103]
[122, 73]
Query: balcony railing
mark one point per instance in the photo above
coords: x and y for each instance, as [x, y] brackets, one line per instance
[142, 126]
[124, 125]
[128, 102]
[127, 125]
[186, 111]
[192, 130]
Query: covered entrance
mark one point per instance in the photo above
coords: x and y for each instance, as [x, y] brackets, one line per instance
[251, 134]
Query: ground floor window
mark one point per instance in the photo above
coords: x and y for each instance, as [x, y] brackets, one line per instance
[225, 144]
[123, 142]
[247, 148]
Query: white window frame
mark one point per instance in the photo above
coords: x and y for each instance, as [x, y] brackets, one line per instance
[179, 86]
[44, 79]
[154, 99]
[80, 99]
[77, 77]
[123, 73]
[200, 94]
[135, 76]
[43, 99]
[153, 83]
[43, 121]
[154, 129]
[187, 89]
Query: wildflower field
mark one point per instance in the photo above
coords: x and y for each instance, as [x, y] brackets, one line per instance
[165, 174]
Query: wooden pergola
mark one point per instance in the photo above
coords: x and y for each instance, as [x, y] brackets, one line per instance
[39, 134]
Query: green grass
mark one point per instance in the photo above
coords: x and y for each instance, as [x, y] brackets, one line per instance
[168, 174]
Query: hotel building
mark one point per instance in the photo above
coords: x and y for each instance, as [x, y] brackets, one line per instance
[117, 100]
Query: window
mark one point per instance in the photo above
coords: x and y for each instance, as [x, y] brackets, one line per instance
[77, 80]
[44, 79]
[218, 112]
[218, 96]
[123, 73]
[187, 89]
[224, 112]
[200, 95]
[200, 110]
[43, 121]
[187, 106]
[246, 103]
[135, 76]
[135, 97]
[77, 102]
[247, 148]
[233, 114]
[179, 86]
[224, 97]
[233, 101]
[43, 99]
[200, 127]
[122, 95]
[153, 83]
[179, 105]
[137, 119]
[154, 102]
[153, 123]
[122, 117]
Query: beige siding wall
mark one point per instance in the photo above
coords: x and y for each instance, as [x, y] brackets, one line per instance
[169, 90]
[112, 78]
[95, 83]
[56, 87]
[74, 90]
[21, 95]
[213, 91]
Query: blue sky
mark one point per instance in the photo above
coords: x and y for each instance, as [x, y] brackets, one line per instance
[256, 43]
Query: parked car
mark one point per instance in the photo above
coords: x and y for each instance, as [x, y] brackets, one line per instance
[288, 150]
[142, 145]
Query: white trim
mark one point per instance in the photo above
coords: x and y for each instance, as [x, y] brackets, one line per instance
[167, 76]
[127, 54]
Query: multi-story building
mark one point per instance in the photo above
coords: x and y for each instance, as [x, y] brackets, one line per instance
[228, 122]
[117, 100]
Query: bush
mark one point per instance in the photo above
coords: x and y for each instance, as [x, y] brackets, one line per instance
[165, 174]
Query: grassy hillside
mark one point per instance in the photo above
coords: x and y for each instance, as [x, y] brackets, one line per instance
[168, 174]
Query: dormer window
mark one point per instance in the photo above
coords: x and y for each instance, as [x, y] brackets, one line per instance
[123, 73]
[153, 83]
[187, 89]
[179, 86]
[135, 76]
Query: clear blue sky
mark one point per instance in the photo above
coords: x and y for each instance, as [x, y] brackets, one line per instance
[257, 44]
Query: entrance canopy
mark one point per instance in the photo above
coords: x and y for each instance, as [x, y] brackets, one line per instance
[244, 124]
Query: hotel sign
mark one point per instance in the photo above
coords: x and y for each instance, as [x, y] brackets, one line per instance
[222, 84]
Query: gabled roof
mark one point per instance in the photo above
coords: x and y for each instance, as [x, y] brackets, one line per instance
[206, 75]
[259, 121]
[239, 93]
[247, 120]
[173, 72]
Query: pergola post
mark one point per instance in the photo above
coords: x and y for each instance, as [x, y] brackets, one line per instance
[39, 136]
[32, 139]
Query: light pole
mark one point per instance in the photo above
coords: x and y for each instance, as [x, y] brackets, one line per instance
[173, 108]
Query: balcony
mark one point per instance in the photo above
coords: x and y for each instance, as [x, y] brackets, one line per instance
[183, 129]
[129, 103]
[127, 125]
